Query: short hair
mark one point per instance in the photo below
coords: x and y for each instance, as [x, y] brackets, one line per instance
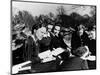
[58, 24]
[80, 51]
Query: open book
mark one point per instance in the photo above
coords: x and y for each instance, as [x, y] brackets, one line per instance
[57, 51]
[47, 56]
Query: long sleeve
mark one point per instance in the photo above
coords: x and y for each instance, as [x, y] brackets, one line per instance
[29, 49]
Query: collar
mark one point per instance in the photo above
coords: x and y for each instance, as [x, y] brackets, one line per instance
[34, 38]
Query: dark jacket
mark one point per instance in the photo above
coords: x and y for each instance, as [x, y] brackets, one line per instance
[17, 55]
[74, 63]
[92, 48]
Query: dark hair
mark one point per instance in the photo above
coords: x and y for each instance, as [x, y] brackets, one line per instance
[91, 28]
[58, 24]
[35, 27]
[80, 51]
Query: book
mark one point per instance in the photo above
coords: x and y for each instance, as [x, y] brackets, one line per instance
[48, 55]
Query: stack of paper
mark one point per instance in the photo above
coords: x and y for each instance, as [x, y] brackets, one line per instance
[18, 67]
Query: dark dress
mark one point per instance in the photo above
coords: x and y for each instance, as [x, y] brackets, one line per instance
[56, 42]
[32, 50]
[78, 41]
[45, 44]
